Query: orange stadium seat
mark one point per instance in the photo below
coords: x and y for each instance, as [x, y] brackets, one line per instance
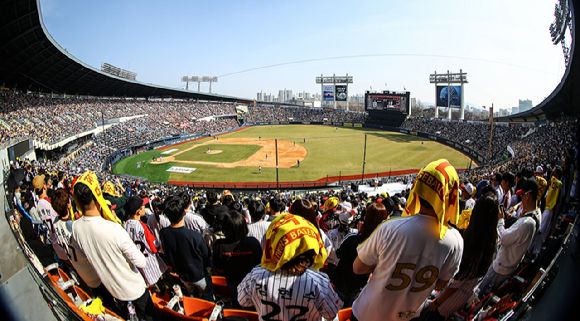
[345, 314]
[195, 309]
[250, 315]
[220, 286]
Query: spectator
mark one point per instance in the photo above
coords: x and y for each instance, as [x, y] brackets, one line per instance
[286, 286]
[110, 250]
[514, 241]
[145, 240]
[236, 254]
[398, 246]
[479, 239]
[347, 283]
[185, 250]
[257, 229]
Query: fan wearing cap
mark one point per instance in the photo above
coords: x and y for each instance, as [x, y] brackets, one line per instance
[329, 220]
[145, 241]
[287, 286]
[514, 241]
[340, 232]
[43, 206]
[111, 193]
[109, 249]
[467, 192]
[410, 256]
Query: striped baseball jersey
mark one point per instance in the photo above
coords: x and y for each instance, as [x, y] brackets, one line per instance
[48, 216]
[258, 230]
[61, 235]
[285, 297]
[195, 222]
[156, 225]
[155, 267]
[336, 237]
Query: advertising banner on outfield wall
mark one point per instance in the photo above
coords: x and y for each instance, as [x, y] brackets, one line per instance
[341, 93]
[328, 92]
[455, 97]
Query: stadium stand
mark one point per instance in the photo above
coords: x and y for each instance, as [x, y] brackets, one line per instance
[57, 208]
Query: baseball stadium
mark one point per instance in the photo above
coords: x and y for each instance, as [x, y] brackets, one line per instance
[136, 189]
[250, 155]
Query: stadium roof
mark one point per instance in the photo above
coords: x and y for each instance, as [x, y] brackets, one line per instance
[31, 60]
[565, 98]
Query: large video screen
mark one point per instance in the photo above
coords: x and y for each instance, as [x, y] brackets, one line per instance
[454, 98]
[328, 93]
[387, 101]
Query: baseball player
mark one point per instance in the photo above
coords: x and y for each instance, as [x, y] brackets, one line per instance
[145, 241]
[286, 286]
[410, 256]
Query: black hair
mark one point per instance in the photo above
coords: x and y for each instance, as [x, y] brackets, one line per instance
[300, 263]
[488, 189]
[256, 209]
[480, 238]
[276, 204]
[212, 197]
[174, 208]
[510, 178]
[234, 226]
[83, 196]
[425, 204]
[229, 200]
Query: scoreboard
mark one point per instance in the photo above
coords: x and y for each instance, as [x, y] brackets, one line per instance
[388, 101]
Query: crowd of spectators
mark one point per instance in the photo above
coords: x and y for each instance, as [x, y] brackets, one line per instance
[126, 239]
[474, 135]
[267, 113]
[195, 234]
[50, 120]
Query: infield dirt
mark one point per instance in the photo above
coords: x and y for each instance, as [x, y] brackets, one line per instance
[289, 153]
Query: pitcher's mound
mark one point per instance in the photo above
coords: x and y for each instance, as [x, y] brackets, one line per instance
[213, 152]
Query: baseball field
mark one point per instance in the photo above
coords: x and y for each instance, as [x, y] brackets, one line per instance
[305, 153]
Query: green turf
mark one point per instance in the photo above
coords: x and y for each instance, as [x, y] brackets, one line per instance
[331, 152]
[230, 153]
[139, 165]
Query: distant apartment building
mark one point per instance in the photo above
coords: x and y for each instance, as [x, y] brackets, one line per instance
[525, 104]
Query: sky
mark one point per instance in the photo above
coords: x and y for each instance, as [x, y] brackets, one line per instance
[503, 45]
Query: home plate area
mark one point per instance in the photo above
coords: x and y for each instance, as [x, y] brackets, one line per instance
[182, 170]
[167, 152]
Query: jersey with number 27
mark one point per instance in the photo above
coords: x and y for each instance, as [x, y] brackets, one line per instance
[409, 258]
[279, 296]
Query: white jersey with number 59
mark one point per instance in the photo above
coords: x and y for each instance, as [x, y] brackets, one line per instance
[409, 258]
[285, 297]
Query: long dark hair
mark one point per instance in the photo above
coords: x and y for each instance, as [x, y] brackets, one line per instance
[480, 238]
[304, 208]
[375, 214]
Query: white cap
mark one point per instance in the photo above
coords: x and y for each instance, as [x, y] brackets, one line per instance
[469, 188]
[539, 170]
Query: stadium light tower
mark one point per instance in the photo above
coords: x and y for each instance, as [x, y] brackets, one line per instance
[198, 80]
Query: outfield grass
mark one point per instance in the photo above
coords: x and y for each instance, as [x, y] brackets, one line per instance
[331, 151]
[139, 165]
[229, 153]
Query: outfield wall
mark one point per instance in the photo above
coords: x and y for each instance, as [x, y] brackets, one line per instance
[322, 182]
